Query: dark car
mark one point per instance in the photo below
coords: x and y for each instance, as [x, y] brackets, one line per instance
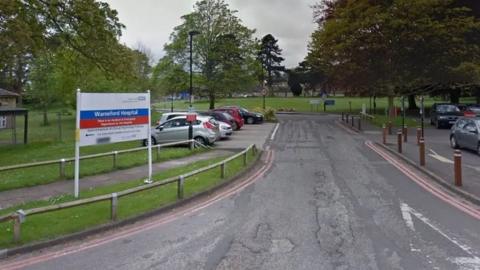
[235, 113]
[248, 117]
[444, 114]
[220, 116]
[466, 134]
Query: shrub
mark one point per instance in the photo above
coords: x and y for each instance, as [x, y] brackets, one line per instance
[268, 113]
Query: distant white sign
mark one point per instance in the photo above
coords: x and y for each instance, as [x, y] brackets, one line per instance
[111, 118]
[314, 102]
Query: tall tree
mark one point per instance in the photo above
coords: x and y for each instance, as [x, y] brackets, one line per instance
[222, 52]
[270, 55]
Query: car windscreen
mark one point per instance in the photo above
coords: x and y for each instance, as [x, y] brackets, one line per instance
[228, 116]
[447, 109]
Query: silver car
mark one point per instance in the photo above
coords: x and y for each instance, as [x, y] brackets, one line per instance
[225, 129]
[465, 134]
[205, 130]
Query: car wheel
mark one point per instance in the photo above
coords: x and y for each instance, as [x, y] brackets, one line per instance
[200, 140]
[250, 120]
[453, 142]
[478, 149]
[437, 124]
[145, 142]
[234, 126]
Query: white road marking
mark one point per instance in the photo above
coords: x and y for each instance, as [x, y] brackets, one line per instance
[274, 132]
[440, 158]
[472, 262]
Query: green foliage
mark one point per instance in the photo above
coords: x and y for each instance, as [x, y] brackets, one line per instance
[223, 51]
[268, 113]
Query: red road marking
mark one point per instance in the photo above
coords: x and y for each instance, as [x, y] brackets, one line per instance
[144, 227]
[436, 191]
[346, 128]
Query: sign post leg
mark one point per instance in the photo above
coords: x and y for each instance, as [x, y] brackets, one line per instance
[149, 139]
[77, 146]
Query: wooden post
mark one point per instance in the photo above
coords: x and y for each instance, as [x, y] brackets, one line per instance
[422, 152]
[222, 170]
[346, 117]
[399, 141]
[114, 156]
[16, 228]
[457, 160]
[360, 123]
[419, 135]
[113, 208]
[353, 121]
[62, 168]
[405, 133]
[384, 134]
[158, 152]
[390, 126]
[25, 128]
[181, 179]
[245, 159]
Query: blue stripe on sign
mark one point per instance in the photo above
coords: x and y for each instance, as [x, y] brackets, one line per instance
[112, 113]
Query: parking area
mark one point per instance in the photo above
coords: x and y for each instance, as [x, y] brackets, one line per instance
[249, 134]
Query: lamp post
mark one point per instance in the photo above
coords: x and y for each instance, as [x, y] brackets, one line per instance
[191, 34]
[422, 112]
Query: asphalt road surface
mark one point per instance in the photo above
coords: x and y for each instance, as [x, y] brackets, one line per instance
[328, 202]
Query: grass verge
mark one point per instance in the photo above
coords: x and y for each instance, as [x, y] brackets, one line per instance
[34, 176]
[54, 224]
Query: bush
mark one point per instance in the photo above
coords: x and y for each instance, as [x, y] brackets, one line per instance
[268, 113]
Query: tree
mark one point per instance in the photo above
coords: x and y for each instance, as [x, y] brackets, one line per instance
[222, 52]
[270, 57]
[169, 78]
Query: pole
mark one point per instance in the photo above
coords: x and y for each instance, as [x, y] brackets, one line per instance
[25, 129]
[171, 105]
[149, 134]
[191, 71]
[422, 152]
[77, 145]
[403, 112]
[399, 141]
[59, 122]
[422, 112]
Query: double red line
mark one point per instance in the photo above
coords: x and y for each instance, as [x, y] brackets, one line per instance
[425, 184]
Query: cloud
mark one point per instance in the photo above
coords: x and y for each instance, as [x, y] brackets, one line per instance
[150, 22]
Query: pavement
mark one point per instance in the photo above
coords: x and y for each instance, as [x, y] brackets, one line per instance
[330, 200]
[249, 134]
[438, 154]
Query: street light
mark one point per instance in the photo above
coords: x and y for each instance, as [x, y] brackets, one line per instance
[191, 34]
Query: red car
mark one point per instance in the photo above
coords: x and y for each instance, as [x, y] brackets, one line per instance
[235, 113]
[472, 111]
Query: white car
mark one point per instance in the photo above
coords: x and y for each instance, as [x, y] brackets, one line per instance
[225, 130]
[167, 116]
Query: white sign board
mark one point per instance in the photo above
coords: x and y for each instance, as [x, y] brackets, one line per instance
[111, 118]
[314, 102]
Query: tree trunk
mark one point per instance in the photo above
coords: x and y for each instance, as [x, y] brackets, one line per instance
[412, 105]
[455, 96]
[45, 116]
[211, 98]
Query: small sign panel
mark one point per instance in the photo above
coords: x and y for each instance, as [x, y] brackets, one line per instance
[329, 102]
[111, 118]
[191, 117]
[314, 102]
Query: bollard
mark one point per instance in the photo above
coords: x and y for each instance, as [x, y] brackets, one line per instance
[158, 152]
[359, 123]
[222, 170]
[390, 126]
[384, 134]
[422, 152]
[192, 145]
[457, 160]
[254, 149]
[114, 156]
[346, 118]
[405, 134]
[113, 208]
[419, 134]
[180, 187]
[245, 158]
[62, 168]
[343, 117]
[399, 141]
[353, 121]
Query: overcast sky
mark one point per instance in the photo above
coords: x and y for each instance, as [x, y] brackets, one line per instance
[150, 22]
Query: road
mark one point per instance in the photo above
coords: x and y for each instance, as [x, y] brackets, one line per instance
[327, 202]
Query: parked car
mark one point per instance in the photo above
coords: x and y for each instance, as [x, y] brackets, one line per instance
[167, 116]
[472, 110]
[235, 113]
[220, 116]
[225, 130]
[444, 114]
[248, 117]
[205, 130]
[466, 134]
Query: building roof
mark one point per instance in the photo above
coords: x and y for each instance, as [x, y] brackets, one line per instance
[5, 93]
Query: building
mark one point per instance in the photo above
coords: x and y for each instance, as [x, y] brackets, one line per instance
[9, 113]
[8, 99]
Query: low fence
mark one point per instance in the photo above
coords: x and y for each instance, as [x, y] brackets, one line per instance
[20, 216]
[114, 154]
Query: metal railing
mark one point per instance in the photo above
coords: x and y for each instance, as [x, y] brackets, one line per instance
[114, 154]
[20, 216]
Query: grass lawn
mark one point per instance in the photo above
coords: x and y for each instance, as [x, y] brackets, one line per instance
[57, 223]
